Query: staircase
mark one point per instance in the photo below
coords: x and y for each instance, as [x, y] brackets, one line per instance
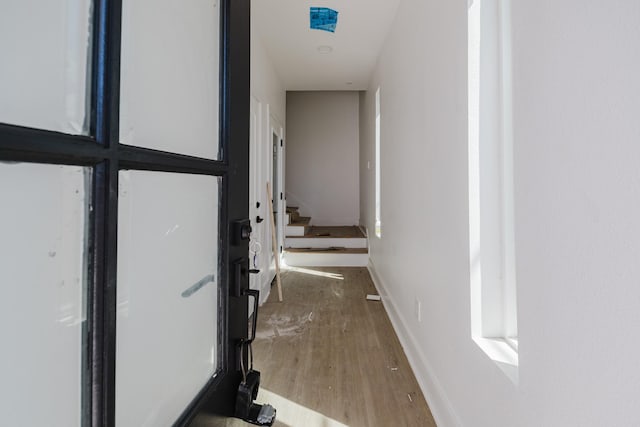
[309, 245]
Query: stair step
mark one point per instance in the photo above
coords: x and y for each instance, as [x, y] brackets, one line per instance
[325, 242]
[334, 249]
[346, 232]
[326, 257]
[301, 221]
[291, 209]
[293, 217]
[298, 227]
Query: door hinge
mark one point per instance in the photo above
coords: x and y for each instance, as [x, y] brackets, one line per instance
[280, 249]
[280, 143]
[281, 196]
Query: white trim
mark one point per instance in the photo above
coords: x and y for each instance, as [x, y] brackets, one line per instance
[265, 287]
[294, 230]
[325, 242]
[378, 168]
[441, 408]
[278, 132]
[325, 259]
[503, 354]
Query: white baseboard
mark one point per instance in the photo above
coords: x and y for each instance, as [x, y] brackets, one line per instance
[325, 242]
[441, 408]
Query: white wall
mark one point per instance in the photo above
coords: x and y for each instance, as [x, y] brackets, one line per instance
[266, 85]
[268, 107]
[322, 156]
[576, 154]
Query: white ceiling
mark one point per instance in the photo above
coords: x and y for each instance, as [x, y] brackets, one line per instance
[283, 28]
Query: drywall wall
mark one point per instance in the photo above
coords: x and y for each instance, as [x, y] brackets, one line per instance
[577, 239]
[423, 252]
[322, 156]
[266, 85]
[268, 109]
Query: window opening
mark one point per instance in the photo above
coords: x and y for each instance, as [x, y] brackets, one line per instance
[491, 234]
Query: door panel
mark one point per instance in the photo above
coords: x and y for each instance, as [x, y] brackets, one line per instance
[167, 324]
[45, 47]
[170, 76]
[43, 221]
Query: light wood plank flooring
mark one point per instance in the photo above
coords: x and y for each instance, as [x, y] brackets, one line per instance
[330, 358]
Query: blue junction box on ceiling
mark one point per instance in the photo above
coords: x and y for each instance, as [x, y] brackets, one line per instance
[323, 18]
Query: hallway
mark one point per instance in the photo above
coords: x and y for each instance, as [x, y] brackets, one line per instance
[329, 357]
[152, 152]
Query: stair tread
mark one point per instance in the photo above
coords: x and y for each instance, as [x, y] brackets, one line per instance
[332, 232]
[334, 250]
[301, 221]
[291, 209]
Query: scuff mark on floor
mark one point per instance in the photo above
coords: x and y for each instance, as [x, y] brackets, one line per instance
[284, 326]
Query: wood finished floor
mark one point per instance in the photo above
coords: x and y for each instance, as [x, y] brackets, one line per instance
[330, 358]
[319, 231]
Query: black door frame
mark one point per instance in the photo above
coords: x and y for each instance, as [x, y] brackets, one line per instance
[102, 152]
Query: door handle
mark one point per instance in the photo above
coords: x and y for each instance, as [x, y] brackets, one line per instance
[256, 299]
